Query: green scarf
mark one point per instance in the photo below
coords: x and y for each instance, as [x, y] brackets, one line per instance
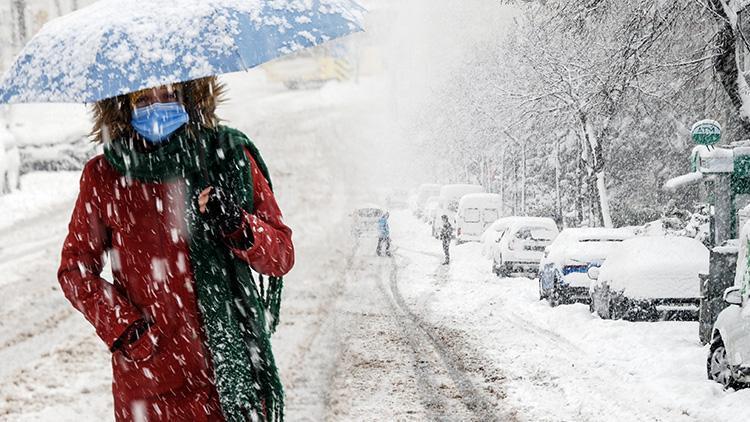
[233, 308]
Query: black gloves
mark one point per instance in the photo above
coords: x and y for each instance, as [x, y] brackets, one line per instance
[134, 332]
[223, 212]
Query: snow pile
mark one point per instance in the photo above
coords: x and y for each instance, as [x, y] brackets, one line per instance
[561, 363]
[63, 123]
[40, 193]
[585, 245]
[656, 267]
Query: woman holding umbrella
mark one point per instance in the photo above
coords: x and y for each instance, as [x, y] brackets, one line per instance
[184, 207]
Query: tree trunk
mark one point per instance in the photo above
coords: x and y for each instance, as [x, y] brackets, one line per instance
[19, 16]
[523, 178]
[579, 183]
[597, 171]
[726, 63]
[502, 180]
[558, 198]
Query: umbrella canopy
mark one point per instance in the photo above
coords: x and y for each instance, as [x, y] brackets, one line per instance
[114, 47]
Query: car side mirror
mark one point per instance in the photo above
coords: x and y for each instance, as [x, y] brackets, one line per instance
[733, 296]
[593, 273]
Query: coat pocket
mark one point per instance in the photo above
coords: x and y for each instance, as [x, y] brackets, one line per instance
[149, 367]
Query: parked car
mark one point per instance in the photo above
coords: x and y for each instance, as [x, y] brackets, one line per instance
[430, 209]
[495, 231]
[62, 143]
[365, 220]
[448, 203]
[476, 212]
[728, 360]
[10, 161]
[520, 247]
[424, 192]
[650, 277]
[563, 272]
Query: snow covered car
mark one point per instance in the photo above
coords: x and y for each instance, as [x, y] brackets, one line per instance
[521, 246]
[728, 360]
[430, 209]
[476, 212]
[650, 277]
[424, 193]
[495, 231]
[448, 204]
[563, 272]
[729, 357]
[365, 220]
[10, 161]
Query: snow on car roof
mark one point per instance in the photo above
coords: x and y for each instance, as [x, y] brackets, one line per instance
[459, 190]
[541, 222]
[582, 234]
[656, 266]
[479, 198]
[503, 222]
[370, 206]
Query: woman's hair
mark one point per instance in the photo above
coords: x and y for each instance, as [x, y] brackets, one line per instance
[200, 96]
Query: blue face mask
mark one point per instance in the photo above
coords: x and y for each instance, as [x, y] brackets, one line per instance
[159, 120]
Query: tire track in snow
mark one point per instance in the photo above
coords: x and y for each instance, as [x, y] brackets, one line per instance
[474, 399]
[313, 369]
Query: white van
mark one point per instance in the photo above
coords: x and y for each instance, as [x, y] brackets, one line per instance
[448, 203]
[424, 192]
[476, 212]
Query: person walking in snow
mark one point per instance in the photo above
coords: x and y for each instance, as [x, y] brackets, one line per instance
[185, 209]
[446, 234]
[384, 235]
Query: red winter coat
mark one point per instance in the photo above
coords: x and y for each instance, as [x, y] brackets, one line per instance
[167, 374]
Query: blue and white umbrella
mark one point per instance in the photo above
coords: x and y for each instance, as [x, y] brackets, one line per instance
[114, 47]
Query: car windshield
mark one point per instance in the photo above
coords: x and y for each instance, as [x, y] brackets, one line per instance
[535, 234]
[369, 212]
[471, 215]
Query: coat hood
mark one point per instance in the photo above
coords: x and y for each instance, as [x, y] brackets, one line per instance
[200, 97]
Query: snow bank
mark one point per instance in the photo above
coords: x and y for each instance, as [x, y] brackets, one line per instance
[656, 267]
[41, 193]
[562, 363]
[44, 124]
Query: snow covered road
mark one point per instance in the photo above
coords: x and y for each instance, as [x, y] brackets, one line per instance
[362, 338]
[561, 364]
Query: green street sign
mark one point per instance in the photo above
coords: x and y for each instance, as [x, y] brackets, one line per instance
[706, 132]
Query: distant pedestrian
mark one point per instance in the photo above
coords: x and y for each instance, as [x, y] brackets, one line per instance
[446, 234]
[384, 235]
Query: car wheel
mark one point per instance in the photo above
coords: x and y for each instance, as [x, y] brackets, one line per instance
[601, 303]
[718, 366]
[500, 270]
